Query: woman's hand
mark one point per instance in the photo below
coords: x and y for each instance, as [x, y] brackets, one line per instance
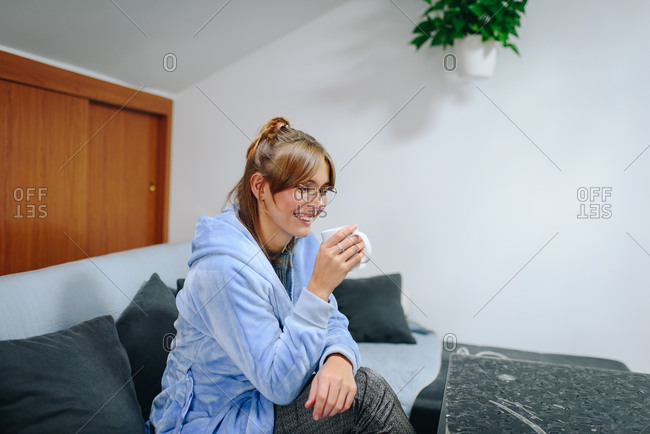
[333, 264]
[333, 388]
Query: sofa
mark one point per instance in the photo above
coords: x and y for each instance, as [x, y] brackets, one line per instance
[83, 344]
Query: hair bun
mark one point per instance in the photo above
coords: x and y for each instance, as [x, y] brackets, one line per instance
[267, 134]
[274, 125]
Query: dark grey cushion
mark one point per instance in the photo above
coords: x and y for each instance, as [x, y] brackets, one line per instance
[146, 329]
[78, 379]
[373, 307]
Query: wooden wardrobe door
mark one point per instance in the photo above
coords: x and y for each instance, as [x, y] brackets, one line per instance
[44, 186]
[123, 177]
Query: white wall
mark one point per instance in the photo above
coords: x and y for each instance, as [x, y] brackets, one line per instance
[454, 196]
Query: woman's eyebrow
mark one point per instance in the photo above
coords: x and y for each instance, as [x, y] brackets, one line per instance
[327, 184]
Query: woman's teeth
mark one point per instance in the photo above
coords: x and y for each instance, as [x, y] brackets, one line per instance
[305, 217]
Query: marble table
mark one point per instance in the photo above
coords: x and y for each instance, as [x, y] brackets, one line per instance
[485, 395]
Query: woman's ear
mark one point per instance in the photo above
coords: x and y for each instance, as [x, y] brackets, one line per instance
[257, 185]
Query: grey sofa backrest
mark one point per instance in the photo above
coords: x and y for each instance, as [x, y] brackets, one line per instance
[57, 297]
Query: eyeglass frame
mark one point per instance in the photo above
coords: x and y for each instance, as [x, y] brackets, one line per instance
[321, 192]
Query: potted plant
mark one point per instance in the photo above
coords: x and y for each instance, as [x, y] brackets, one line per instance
[478, 25]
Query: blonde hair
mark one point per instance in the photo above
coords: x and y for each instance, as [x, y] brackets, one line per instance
[285, 157]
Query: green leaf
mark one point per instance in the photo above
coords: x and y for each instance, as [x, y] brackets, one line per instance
[455, 35]
[436, 7]
[496, 9]
[423, 28]
[458, 24]
[419, 41]
[426, 27]
[476, 10]
[438, 39]
[513, 48]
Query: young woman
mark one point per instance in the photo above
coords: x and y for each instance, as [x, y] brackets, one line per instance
[257, 317]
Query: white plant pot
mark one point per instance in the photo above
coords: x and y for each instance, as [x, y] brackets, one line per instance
[474, 57]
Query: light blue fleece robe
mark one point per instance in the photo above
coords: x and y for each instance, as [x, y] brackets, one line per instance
[243, 343]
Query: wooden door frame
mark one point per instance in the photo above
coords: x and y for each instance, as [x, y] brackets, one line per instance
[21, 70]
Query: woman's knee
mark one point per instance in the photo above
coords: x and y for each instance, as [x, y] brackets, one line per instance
[367, 378]
[367, 372]
[370, 374]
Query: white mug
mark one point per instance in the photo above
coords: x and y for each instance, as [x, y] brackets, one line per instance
[367, 250]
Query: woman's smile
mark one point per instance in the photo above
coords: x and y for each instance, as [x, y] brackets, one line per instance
[306, 219]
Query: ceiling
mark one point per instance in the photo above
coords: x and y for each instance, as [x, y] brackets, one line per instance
[164, 45]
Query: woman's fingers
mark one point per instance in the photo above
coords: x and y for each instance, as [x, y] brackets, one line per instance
[339, 405]
[346, 243]
[354, 249]
[312, 392]
[327, 397]
[348, 399]
[332, 397]
[340, 398]
[340, 235]
[322, 394]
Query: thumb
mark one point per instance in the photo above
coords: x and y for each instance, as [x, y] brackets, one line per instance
[312, 392]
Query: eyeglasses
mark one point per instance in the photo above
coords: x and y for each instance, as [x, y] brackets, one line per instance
[308, 194]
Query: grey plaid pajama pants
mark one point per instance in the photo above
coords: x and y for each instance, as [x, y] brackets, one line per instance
[375, 409]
